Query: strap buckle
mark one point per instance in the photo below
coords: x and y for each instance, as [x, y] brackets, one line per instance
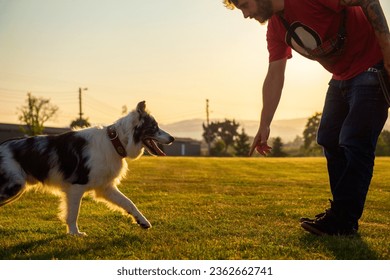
[372, 69]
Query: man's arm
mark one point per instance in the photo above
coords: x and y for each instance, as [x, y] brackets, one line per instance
[272, 91]
[376, 17]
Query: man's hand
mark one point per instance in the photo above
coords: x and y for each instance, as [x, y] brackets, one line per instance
[260, 143]
[262, 149]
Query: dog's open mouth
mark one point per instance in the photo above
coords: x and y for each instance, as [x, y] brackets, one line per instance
[152, 147]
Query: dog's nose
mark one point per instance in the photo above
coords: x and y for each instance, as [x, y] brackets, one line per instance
[171, 139]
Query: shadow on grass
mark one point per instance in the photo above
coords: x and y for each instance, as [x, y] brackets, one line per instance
[65, 247]
[340, 247]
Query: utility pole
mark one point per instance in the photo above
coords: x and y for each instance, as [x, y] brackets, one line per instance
[208, 126]
[207, 113]
[80, 102]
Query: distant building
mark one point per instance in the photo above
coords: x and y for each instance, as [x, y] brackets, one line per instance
[180, 147]
[10, 131]
[183, 147]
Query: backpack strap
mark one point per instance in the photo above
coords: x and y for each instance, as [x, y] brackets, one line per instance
[341, 34]
[293, 34]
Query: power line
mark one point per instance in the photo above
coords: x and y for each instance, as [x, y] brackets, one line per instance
[6, 90]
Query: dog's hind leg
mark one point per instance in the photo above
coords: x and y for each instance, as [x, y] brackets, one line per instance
[71, 205]
[114, 196]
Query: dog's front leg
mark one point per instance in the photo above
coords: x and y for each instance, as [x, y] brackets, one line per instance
[113, 195]
[73, 198]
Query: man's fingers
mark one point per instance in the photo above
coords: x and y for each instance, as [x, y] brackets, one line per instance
[253, 148]
[263, 149]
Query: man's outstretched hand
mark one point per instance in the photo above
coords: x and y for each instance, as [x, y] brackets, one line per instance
[261, 148]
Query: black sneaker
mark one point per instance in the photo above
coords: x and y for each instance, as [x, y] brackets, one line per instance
[330, 223]
[319, 229]
[305, 219]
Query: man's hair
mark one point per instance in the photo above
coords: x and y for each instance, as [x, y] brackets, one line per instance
[230, 4]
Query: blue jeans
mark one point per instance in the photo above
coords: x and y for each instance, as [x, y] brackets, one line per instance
[354, 114]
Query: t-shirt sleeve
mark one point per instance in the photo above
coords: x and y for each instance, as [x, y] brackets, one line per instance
[277, 47]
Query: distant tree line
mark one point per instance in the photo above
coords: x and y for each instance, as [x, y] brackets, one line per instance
[224, 140]
[222, 137]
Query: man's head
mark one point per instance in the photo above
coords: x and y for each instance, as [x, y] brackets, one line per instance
[260, 10]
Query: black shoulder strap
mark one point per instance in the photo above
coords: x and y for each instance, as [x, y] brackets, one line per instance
[284, 21]
[292, 33]
[342, 32]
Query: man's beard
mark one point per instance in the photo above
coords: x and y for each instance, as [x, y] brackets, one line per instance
[264, 11]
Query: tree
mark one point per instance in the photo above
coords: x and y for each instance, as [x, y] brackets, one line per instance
[242, 146]
[310, 135]
[383, 145]
[225, 131]
[35, 113]
[80, 123]
[277, 148]
[209, 134]
[218, 149]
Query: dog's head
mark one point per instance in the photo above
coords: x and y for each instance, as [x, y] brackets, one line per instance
[148, 133]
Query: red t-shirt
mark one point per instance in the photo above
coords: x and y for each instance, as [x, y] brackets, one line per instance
[318, 21]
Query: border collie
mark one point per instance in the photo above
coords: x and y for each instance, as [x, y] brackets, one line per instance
[77, 162]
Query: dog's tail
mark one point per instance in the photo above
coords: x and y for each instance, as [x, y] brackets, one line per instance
[10, 192]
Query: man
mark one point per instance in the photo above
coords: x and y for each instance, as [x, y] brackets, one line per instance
[351, 39]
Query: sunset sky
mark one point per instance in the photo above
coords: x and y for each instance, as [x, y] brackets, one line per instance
[174, 54]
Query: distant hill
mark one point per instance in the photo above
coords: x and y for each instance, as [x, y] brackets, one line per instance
[187, 128]
[286, 129]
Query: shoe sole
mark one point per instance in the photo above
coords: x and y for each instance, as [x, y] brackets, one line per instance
[312, 230]
[301, 220]
[315, 231]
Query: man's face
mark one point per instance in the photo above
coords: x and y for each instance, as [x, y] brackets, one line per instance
[260, 10]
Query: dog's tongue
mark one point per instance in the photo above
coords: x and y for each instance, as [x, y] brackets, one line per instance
[157, 149]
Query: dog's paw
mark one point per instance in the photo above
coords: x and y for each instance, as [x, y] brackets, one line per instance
[78, 234]
[144, 224]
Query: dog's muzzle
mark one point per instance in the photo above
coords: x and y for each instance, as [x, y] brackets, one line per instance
[151, 143]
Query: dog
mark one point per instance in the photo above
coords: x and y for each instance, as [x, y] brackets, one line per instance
[85, 160]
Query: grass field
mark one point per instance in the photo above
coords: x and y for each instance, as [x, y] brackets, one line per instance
[204, 209]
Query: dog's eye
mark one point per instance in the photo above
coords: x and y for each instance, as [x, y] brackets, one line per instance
[153, 129]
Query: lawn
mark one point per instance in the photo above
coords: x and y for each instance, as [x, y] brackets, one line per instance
[203, 209]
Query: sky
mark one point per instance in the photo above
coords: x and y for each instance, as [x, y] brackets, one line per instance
[174, 54]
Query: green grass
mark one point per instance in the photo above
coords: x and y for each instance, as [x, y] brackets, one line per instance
[203, 208]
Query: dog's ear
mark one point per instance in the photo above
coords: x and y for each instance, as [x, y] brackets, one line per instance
[141, 108]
